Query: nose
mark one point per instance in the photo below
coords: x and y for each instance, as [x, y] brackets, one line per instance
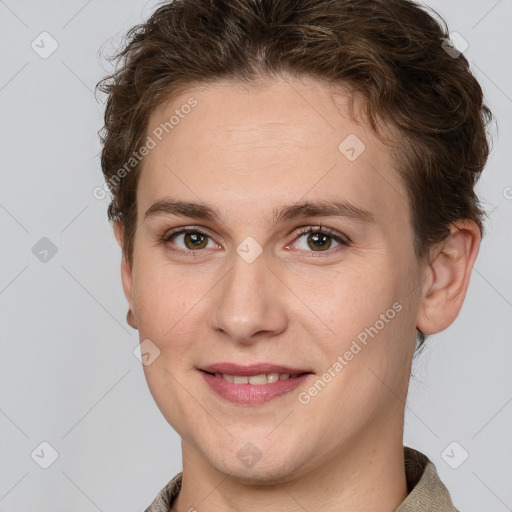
[248, 304]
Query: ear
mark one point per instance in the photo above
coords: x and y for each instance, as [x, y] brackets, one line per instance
[126, 274]
[448, 274]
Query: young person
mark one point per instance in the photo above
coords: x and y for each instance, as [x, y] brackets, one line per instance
[293, 192]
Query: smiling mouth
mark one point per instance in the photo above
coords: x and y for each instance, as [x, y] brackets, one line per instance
[259, 379]
[259, 384]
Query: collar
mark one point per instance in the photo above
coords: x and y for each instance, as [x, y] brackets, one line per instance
[426, 491]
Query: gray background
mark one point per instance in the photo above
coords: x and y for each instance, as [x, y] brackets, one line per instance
[68, 375]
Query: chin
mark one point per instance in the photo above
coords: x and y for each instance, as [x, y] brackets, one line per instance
[255, 463]
[259, 474]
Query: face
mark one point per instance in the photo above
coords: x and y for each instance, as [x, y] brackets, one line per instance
[294, 248]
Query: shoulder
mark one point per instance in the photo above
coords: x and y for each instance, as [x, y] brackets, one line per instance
[166, 497]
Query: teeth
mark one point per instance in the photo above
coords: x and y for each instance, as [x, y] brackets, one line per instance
[272, 377]
[263, 378]
[259, 379]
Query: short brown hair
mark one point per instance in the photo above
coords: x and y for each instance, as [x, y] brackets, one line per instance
[392, 53]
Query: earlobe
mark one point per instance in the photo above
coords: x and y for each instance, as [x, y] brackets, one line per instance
[130, 319]
[449, 275]
[126, 275]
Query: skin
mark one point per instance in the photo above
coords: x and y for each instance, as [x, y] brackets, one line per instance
[247, 151]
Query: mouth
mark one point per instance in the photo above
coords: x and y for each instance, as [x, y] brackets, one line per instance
[257, 379]
[255, 384]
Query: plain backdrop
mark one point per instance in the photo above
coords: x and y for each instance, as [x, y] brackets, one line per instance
[68, 373]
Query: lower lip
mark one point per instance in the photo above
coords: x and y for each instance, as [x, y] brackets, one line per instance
[253, 394]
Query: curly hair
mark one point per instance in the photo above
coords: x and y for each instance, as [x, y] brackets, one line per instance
[393, 54]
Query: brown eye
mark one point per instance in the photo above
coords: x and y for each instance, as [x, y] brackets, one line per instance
[319, 241]
[189, 240]
[195, 240]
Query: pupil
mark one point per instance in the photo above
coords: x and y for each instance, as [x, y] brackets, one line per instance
[319, 239]
[196, 239]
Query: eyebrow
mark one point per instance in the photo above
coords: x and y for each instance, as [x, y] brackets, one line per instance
[285, 213]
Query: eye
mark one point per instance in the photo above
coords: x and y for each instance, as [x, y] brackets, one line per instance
[189, 240]
[318, 239]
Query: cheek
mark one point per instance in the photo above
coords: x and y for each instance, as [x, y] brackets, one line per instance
[162, 297]
[349, 298]
[171, 310]
[365, 316]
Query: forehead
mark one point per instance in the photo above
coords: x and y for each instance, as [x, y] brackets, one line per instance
[258, 144]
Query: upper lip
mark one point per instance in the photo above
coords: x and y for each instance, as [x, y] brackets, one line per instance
[253, 369]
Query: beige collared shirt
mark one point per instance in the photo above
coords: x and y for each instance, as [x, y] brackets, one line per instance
[426, 491]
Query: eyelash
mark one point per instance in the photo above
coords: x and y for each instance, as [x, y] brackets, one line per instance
[343, 241]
